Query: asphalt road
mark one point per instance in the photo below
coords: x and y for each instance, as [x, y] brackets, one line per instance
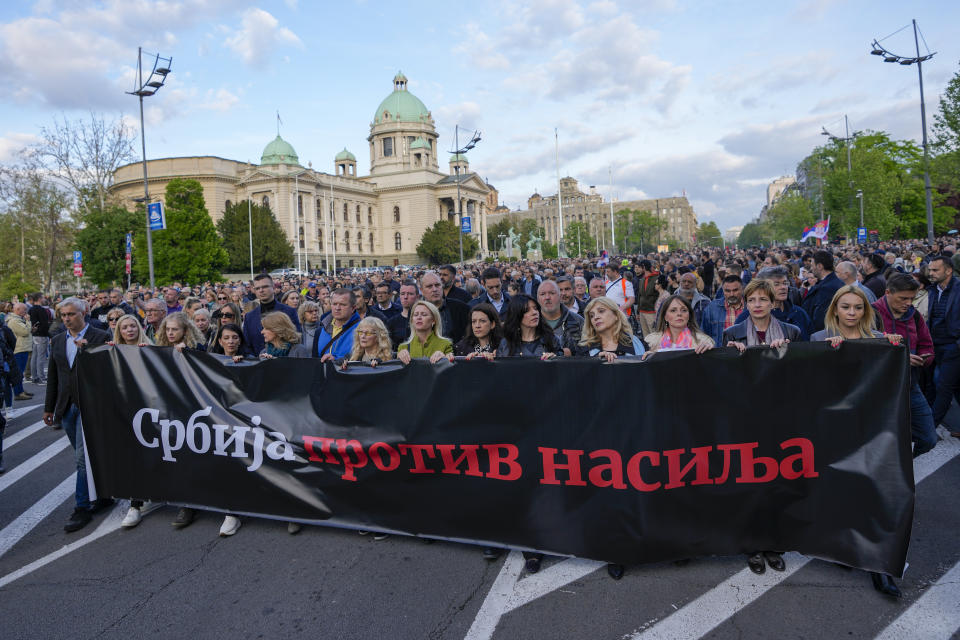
[157, 582]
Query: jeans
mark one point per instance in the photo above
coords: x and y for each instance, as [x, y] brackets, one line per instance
[73, 428]
[21, 359]
[38, 363]
[923, 431]
[947, 359]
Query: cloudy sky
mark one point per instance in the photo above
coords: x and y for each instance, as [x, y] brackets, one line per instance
[713, 99]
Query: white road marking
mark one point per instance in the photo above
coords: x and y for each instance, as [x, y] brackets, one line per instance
[26, 521]
[32, 463]
[24, 433]
[936, 612]
[19, 411]
[694, 619]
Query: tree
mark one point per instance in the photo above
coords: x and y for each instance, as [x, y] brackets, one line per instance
[945, 146]
[708, 234]
[440, 244]
[789, 216]
[102, 240]
[501, 228]
[753, 234]
[188, 250]
[85, 154]
[637, 231]
[579, 240]
[270, 245]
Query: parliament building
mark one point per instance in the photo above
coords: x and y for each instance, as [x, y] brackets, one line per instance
[372, 220]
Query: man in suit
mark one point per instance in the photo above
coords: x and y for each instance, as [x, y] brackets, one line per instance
[263, 287]
[493, 291]
[455, 314]
[60, 405]
[821, 294]
[943, 318]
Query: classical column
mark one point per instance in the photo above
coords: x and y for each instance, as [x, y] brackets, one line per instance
[483, 230]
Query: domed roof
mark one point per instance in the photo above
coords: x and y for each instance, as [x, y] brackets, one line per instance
[420, 143]
[345, 155]
[459, 157]
[401, 105]
[279, 151]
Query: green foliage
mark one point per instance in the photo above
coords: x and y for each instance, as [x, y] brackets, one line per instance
[440, 244]
[788, 217]
[708, 234]
[753, 234]
[637, 231]
[14, 285]
[103, 241]
[270, 246]
[579, 240]
[188, 250]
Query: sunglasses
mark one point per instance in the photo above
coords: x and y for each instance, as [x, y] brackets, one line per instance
[229, 316]
[222, 298]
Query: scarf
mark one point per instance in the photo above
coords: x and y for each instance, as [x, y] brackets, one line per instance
[278, 352]
[774, 332]
[685, 341]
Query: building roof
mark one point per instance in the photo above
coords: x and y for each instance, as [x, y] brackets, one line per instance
[464, 177]
[420, 143]
[345, 155]
[279, 151]
[401, 105]
[459, 157]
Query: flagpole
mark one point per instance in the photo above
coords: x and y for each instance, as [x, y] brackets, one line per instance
[556, 138]
[333, 243]
[250, 232]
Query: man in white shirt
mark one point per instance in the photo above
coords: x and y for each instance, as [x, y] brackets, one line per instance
[619, 289]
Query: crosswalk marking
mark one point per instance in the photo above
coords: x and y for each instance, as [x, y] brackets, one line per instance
[19, 411]
[22, 469]
[26, 521]
[936, 612]
[24, 433]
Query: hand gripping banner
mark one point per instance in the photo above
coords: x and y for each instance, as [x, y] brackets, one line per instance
[683, 455]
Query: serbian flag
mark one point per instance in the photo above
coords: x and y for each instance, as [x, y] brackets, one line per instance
[818, 230]
[604, 259]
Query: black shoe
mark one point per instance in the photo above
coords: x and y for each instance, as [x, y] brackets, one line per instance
[615, 571]
[100, 504]
[491, 553]
[2, 468]
[184, 517]
[885, 585]
[78, 520]
[756, 563]
[532, 565]
[775, 560]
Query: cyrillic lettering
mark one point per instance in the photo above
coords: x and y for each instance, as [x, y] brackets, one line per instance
[325, 444]
[572, 466]
[613, 469]
[748, 464]
[168, 446]
[221, 442]
[805, 458]
[451, 465]
[700, 463]
[633, 470]
[193, 426]
[138, 426]
[348, 464]
[496, 460]
[418, 450]
[392, 455]
[280, 449]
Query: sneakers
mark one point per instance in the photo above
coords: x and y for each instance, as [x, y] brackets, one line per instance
[184, 517]
[132, 518]
[41, 383]
[25, 395]
[78, 520]
[293, 528]
[381, 536]
[231, 524]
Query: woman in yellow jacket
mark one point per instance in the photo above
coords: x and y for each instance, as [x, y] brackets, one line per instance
[426, 339]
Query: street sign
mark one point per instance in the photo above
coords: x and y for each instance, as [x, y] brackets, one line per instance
[466, 225]
[77, 270]
[129, 243]
[861, 235]
[157, 216]
[77, 256]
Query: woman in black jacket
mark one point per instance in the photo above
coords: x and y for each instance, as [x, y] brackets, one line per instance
[525, 332]
[483, 333]
[760, 327]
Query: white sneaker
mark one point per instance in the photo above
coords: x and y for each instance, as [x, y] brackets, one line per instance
[132, 518]
[293, 528]
[231, 524]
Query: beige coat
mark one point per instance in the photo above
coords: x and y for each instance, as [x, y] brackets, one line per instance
[20, 329]
[653, 340]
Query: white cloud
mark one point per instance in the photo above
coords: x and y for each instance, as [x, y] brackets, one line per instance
[220, 100]
[259, 36]
[467, 114]
[12, 143]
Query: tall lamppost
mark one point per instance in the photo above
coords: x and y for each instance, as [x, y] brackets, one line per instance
[846, 143]
[456, 157]
[156, 78]
[888, 56]
[860, 198]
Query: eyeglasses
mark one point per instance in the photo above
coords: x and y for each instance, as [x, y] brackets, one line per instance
[366, 333]
[229, 316]
[222, 298]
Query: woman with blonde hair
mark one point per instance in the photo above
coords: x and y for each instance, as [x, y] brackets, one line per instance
[607, 332]
[677, 329]
[281, 338]
[309, 314]
[371, 342]
[849, 317]
[177, 330]
[128, 330]
[426, 330]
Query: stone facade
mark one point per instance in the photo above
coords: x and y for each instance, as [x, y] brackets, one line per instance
[371, 220]
[589, 207]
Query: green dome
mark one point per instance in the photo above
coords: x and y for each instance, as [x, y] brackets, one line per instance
[459, 157]
[279, 152]
[401, 105]
[345, 155]
[420, 143]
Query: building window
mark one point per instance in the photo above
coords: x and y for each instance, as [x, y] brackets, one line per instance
[320, 240]
[319, 207]
[396, 214]
[346, 243]
[266, 201]
[227, 204]
[396, 241]
[370, 215]
[359, 242]
[302, 243]
[371, 243]
[300, 205]
[345, 218]
[387, 147]
[358, 214]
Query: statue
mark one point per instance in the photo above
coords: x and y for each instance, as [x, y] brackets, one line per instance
[535, 244]
[512, 238]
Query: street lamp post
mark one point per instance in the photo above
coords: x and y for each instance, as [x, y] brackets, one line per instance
[888, 56]
[457, 154]
[500, 245]
[860, 198]
[846, 143]
[158, 76]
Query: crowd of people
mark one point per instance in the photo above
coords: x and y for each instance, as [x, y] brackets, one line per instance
[626, 307]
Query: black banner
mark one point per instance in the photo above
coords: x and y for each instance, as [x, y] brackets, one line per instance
[631, 462]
